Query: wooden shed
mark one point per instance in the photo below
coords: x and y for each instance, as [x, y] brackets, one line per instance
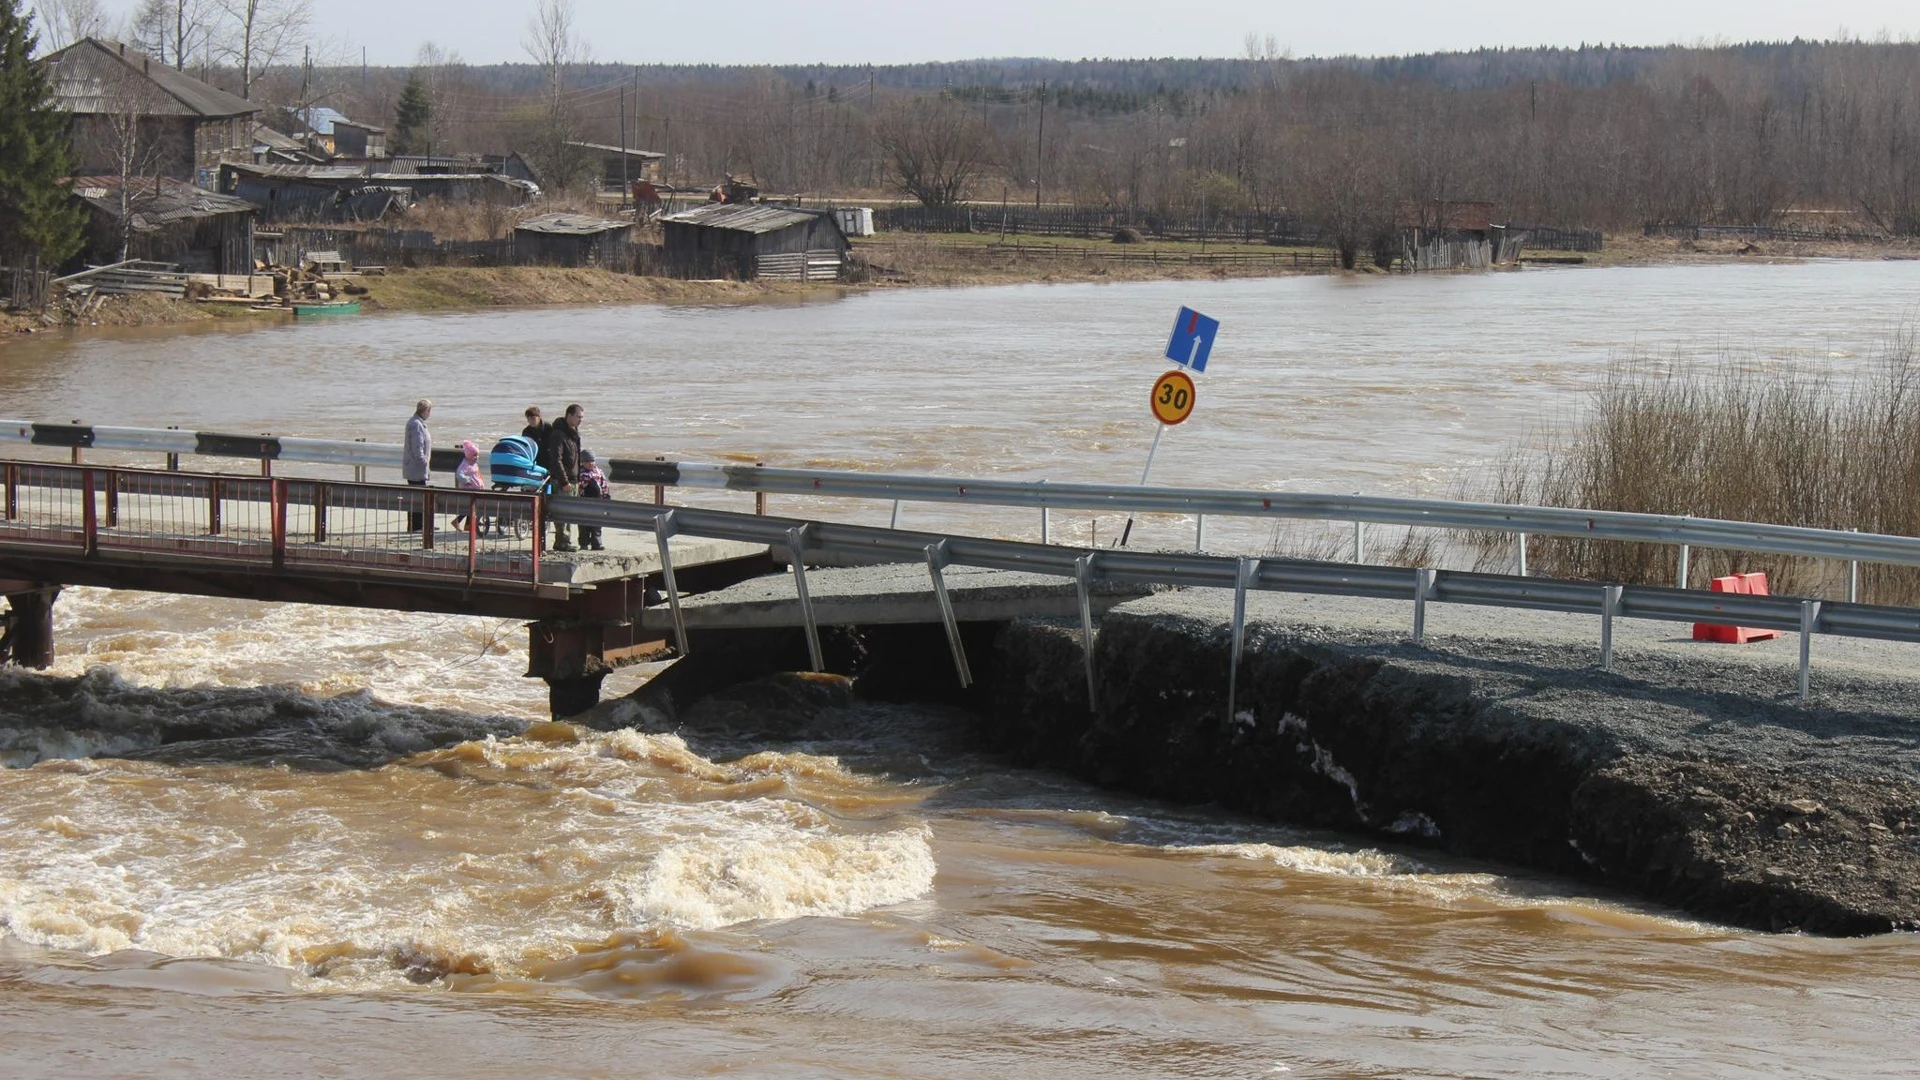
[572, 240]
[171, 222]
[754, 240]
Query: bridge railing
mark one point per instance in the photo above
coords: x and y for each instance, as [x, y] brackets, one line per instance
[1680, 531]
[280, 522]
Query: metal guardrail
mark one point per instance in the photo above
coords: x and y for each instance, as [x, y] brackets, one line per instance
[1682, 531]
[859, 543]
[288, 523]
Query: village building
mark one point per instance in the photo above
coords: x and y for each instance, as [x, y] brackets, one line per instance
[617, 168]
[168, 221]
[572, 240]
[354, 192]
[135, 117]
[755, 240]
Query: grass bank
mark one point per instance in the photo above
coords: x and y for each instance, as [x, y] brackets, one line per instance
[460, 288]
[1788, 442]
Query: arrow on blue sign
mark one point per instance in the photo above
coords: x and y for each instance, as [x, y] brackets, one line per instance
[1192, 339]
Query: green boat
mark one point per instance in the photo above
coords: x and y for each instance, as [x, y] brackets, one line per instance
[335, 307]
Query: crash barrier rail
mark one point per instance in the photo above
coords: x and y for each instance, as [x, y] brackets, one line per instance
[1522, 522]
[378, 529]
[859, 543]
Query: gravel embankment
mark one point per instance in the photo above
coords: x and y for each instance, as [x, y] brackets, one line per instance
[1691, 774]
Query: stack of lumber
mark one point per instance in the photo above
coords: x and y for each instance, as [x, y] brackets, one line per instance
[131, 276]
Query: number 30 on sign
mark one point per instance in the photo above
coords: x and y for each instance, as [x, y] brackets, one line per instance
[1173, 397]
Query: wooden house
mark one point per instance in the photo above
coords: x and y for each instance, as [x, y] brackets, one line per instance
[572, 240]
[754, 240]
[135, 117]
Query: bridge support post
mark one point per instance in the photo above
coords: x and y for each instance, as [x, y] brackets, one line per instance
[571, 697]
[29, 633]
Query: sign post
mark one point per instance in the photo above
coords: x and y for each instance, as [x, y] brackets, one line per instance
[1173, 394]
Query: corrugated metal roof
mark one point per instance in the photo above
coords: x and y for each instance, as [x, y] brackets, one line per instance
[570, 225]
[745, 217]
[84, 78]
[650, 155]
[298, 172]
[156, 203]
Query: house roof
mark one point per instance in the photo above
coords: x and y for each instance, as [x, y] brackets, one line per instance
[321, 119]
[267, 137]
[649, 155]
[84, 75]
[298, 172]
[156, 202]
[745, 217]
[570, 225]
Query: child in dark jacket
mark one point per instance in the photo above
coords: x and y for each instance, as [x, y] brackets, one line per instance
[593, 485]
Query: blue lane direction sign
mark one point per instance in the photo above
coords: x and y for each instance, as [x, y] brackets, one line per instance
[1192, 339]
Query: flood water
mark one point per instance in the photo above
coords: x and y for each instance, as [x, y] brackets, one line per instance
[270, 841]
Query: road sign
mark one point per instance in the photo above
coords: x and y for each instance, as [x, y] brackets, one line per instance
[1192, 339]
[1173, 397]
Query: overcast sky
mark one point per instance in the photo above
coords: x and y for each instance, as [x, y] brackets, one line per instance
[903, 31]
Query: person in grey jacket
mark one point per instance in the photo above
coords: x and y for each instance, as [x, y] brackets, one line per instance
[413, 460]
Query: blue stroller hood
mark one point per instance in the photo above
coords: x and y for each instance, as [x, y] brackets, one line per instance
[514, 463]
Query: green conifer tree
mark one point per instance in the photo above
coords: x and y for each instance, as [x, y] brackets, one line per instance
[410, 122]
[38, 214]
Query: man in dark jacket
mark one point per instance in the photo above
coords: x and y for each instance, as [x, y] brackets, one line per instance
[562, 453]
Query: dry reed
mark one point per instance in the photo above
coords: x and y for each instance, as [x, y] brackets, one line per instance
[1781, 442]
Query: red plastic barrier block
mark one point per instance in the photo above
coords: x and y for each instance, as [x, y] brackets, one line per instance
[1745, 584]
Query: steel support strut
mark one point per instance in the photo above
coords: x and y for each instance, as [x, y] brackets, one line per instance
[1083, 577]
[937, 561]
[796, 545]
[663, 527]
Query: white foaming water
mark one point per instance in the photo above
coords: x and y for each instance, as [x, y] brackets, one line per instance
[611, 835]
[1312, 860]
[717, 881]
[440, 661]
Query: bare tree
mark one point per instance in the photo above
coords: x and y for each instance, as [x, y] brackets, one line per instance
[259, 34]
[934, 147]
[126, 136]
[63, 22]
[177, 32]
[440, 71]
[555, 46]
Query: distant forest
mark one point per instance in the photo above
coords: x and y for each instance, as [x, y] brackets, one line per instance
[1598, 137]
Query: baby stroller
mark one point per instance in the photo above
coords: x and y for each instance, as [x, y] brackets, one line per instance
[514, 465]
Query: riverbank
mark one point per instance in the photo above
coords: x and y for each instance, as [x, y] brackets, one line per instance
[900, 260]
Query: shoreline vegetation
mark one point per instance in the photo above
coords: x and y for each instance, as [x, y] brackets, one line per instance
[909, 260]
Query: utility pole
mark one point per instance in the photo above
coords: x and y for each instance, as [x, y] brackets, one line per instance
[1039, 147]
[623, 146]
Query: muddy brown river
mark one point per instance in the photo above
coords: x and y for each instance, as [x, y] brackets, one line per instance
[245, 840]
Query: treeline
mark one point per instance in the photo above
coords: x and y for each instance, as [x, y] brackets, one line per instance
[1595, 137]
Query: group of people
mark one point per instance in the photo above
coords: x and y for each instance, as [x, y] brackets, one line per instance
[571, 470]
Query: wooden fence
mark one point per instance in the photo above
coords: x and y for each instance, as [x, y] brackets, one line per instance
[1551, 238]
[1145, 257]
[1786, 233]
[26, 287]
[1012, 220]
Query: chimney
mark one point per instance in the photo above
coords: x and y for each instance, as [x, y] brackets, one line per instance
[146, 65]
[123, 48]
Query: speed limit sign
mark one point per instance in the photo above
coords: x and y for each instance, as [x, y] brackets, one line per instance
[1173, 397]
